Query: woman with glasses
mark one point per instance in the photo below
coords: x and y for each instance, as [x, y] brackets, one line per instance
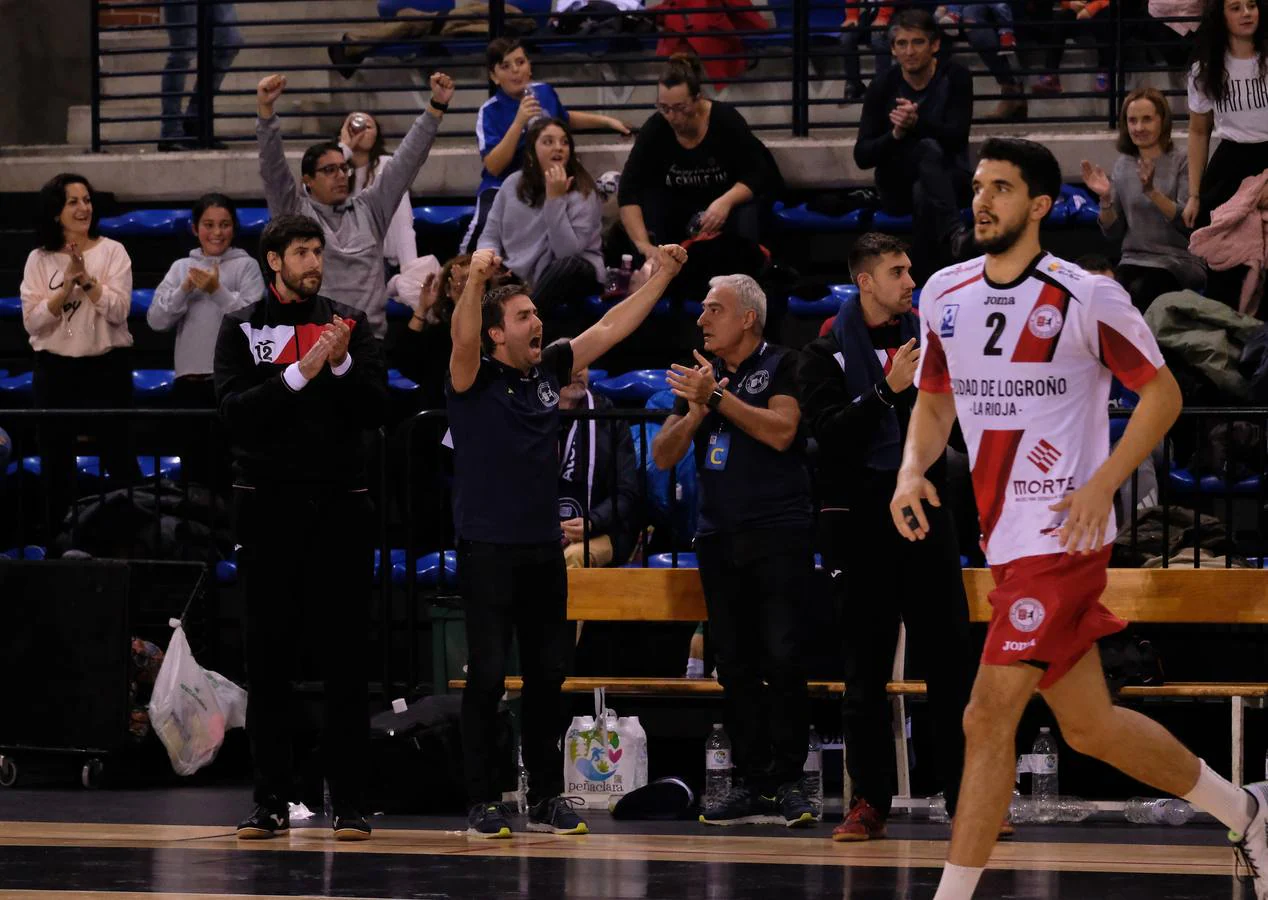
[695, 168]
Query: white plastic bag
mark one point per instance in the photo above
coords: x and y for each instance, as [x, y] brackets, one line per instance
[191, 708]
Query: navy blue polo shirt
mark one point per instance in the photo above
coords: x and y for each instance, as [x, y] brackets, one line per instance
[760, 487]
[505, 431]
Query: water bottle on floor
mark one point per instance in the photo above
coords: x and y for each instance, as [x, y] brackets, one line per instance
[812, 773]
[1043, 776]
[1168, 811]
[717, 766]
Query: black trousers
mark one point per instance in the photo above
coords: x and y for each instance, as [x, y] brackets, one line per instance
[888, 580]
[755, 584]
[1145, 283]
[307, 565]
[525, 588]
[88, 382]
[921, 180]
[566, 280]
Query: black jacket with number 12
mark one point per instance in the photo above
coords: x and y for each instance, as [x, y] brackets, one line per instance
[311, 437]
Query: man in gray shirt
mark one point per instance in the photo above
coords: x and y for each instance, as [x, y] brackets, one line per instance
[354, 228]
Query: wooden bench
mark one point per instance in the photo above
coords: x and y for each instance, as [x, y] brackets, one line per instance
[1152, 596]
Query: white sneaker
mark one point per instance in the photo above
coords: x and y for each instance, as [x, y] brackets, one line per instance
[1252, 847]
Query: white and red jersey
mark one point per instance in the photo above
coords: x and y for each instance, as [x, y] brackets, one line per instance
[1030, 365]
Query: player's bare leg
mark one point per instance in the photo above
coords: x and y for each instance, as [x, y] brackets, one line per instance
[1000, 695]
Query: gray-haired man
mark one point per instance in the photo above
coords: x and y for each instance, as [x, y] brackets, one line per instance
[753, 543]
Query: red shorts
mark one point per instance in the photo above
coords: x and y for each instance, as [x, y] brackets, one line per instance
[1047, 610]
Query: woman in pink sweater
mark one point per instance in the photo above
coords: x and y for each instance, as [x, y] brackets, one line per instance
[76, 292]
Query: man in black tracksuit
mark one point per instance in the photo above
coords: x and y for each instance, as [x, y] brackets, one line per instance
[299, 379]
[857, 394]
[753, 543]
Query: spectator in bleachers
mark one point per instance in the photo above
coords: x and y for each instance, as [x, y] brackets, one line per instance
[597, 471]
[1171, 39]
[865, 21]
[504, 119]
[76, 293]
[423, 348]
[547, 219]
[914, 131]
[197, 291]
[177, 130]
[1141, 202]
[695, 169]
[355, 226]
[363, 146]
[1079, 21]
[711, 31]
[740, 411]
[857, 392]
[988, 28]
[1228, 99]
[300, 380]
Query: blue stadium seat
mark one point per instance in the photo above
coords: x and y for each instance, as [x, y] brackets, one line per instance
[10, 307]
[29, 552]
[632, 387]
[428, 569]
[169, 467]
[397, 558]
[447, 218]
[147, 223]
[1075, 206]
[666, 561]
[398, 383]
[844, 290]
[1185, 481]
[226, 571]
[151, 384]
[597, 374]
[798, 218]
[17, 386]
[883, 221]
[141, 300]
[252, 219]
[814, 309]
[397, 310]
[30, 464]
[964, 562]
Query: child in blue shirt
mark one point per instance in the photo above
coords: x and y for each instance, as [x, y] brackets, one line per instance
[505, 117]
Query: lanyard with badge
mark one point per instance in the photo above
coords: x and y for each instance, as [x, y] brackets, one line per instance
[719, 445]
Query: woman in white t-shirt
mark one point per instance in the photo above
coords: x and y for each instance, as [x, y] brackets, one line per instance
[1228, 97]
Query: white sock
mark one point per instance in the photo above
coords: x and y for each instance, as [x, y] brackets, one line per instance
[1222, 799]
[958, 882]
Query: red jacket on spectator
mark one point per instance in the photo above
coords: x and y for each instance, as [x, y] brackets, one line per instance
[677, 16]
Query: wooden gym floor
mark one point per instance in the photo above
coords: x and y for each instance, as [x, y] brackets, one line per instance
[178, 843]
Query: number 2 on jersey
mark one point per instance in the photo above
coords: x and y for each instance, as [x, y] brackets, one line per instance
[995, 321]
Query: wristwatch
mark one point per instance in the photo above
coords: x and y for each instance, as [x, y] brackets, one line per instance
[714, 399]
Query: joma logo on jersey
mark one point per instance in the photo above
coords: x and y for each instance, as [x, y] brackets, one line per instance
[1042, 487]
[1017, 646]
[1000, 301]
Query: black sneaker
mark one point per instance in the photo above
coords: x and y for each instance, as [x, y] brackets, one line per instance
[351, 826]
[264, 823]
[738, 807]
[489, 820]
[556, 815]
[342, 59]
[794, 807]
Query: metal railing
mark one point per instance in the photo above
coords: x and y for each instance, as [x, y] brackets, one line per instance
[786, 68]
[410, 485]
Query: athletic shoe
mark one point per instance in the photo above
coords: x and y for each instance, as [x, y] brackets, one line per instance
[1252, 847]
[351, 826]
[739, 807]
[861, 823]
[794, 807]
[1049, 85]
[489, 820]
[264, 823]
[556, 815]
[344, 61]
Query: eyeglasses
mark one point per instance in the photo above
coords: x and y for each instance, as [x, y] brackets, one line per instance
[680, 109]
[331, 169]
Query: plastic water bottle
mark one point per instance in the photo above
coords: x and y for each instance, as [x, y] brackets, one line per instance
[627, 272]
[717, 766]
[1043, 778]
[812, 773]
[521, 781]
[1168, 811]
[938, 808]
